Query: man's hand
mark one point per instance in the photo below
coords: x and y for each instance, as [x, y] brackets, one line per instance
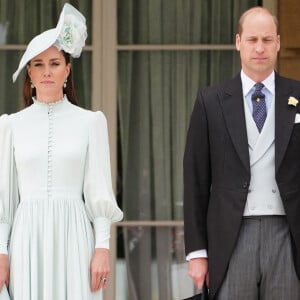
[4, 270]
[198, 271]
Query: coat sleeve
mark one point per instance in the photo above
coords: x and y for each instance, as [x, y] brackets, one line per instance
[197, 179]
[99, 197]
[9, 195]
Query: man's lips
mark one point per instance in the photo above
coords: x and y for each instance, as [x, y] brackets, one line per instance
[259, 58]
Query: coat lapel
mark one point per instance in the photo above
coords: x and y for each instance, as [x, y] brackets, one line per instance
[233, 107]
[284, 118]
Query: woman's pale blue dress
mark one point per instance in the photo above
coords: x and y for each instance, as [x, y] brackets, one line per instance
[56, 199]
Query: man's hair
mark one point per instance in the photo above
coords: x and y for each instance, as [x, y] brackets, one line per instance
[256, 9]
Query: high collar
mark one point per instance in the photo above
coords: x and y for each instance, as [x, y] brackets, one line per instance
[58, 102]
[52, 107]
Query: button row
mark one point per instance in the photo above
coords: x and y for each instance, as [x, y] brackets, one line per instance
[50, 150]
[273, 191]
[269, 206]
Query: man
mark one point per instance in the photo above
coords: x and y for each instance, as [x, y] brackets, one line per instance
[242, 175]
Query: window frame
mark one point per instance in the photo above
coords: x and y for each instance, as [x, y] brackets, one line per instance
[105, 49]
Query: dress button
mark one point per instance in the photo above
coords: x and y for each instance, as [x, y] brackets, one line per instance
[273, 191]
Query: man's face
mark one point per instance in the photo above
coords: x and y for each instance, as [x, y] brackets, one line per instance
[258, 45]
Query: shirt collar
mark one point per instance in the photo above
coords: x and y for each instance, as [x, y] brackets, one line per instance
[248, 83]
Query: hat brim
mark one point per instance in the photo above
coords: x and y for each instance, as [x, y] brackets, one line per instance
[45, 40]
[36, 46]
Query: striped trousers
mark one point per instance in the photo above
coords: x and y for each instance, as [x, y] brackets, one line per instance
[261, 267]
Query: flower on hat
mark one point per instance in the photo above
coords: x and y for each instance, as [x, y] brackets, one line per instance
[72, 36]
[293, 101]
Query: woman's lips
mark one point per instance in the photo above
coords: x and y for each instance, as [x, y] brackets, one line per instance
[47, 81]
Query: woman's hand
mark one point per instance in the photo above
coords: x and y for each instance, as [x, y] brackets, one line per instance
[4, 270]
[99, 269]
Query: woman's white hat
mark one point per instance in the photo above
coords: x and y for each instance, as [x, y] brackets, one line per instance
[69, 35]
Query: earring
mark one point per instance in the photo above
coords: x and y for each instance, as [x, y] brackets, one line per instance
[65, 83]
[31, 84]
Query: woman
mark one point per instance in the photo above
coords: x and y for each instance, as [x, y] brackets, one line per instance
[55, 178]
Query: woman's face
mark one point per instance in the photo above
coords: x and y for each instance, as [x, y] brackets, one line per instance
[48, 72]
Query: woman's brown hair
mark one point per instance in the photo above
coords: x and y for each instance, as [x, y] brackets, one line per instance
[69, 90]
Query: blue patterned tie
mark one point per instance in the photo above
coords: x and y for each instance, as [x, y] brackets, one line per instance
[259, 106]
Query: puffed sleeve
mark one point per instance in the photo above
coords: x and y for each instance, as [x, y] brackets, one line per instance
[9, 195]
[99, 197]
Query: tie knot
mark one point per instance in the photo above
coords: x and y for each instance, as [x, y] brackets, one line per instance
[258, 95]
[258, 86]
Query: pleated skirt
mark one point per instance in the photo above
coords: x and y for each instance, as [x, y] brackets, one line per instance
[50, 251]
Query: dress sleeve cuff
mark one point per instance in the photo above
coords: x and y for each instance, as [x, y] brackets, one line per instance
[197, 254]
[102, 232]
[4, 235]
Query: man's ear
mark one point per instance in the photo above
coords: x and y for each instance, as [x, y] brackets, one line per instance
[237, 42]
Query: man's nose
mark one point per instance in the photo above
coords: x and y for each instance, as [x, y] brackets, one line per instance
[259, 47]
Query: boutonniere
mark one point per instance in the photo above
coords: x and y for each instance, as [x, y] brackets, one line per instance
[293, 101]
